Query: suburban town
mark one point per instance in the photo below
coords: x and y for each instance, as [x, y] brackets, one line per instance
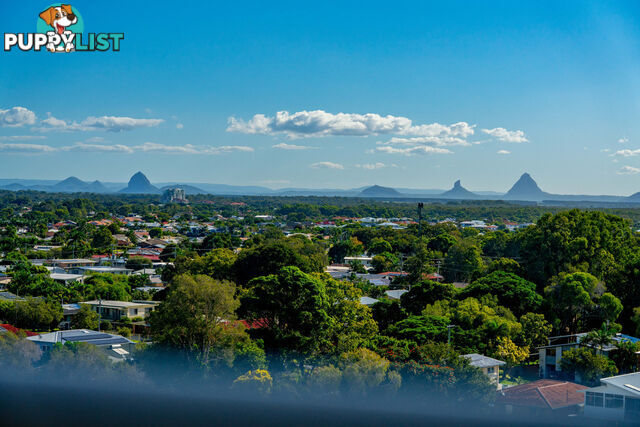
[320, 213]
[286, 299]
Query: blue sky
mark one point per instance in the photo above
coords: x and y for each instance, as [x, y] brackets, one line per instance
[333, 94]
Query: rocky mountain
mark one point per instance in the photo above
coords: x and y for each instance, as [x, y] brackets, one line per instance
[379, 191]
[526, 189]
[459, 192]
[76, 185]
[140, 184]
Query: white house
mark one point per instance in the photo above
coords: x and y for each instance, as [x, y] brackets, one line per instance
[616, 398]
[488, 365]
[115, 346]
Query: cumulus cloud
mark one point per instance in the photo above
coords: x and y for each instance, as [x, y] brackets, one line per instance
[21, 137]
[623, 140]
[97, 148]
[179, 125]
[501, 134]
[104, 123]
[504, 152]
[628, 170]
[16, 117]
[147, 147]
[326, 165]
[25, 148]
[320, 123]
[372, 166]
[410, 151]
[283, 146]
[627, 153]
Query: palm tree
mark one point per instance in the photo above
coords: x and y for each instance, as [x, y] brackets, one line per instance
[599, 338]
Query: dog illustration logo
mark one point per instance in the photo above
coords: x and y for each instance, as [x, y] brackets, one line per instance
[59, 18]
[60, 28]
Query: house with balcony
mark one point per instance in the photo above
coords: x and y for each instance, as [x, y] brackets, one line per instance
[116, 310]
[550, 355]
[616, 399]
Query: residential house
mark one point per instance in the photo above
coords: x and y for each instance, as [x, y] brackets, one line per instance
[550, 355]
[616, 398]
[368, 301]
[66, 278]
[540, 398]
[395, 293]
[117, 347]
[101, 269]
[488, 365]
[364, 260]
[69, 263]
[116, 310]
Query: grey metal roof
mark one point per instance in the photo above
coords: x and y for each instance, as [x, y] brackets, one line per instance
[480, 361]
[628, 382]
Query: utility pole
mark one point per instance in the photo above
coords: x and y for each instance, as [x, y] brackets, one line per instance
[99, 314]
[449, 327]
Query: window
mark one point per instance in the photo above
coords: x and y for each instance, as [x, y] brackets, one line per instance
[593, 399]
[490, 370]
[613, 401]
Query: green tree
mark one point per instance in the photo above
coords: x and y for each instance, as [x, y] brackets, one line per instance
[386, 261]
[36, 313]
[625, 356]
[198, 317]
[138, 263]
[424, 293]
[570, 297]
[85, 318]
[462, 262]
[308, 313]
[586, 366]
[103, 240]
[269, 258]
[535, 330]
[513, 292]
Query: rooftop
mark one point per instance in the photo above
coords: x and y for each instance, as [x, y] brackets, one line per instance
[80, 335]
[548, 394]
[480, 361]
[119, 304]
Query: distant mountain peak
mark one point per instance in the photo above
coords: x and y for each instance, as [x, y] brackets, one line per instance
[140, 184]
[458, 191]
[525, 188]
[380, 191]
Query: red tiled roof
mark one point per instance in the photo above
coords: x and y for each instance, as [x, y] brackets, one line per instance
[255, 324]
[550, 394]
[15, 330]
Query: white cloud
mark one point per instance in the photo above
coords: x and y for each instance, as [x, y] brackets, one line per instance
[21, 137]
[501, 134]
[627, 153]
[179, 126]
[320, 123]
[372, 166]
[410, 151]
[440, 141]
[283, 146]
[326, 165]
[16, 117]
[623, 140]
[605, 150]
[628, 170]
[147, 147]
[504, 152]
[104, 123]
[98, 148]
[25, 148]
